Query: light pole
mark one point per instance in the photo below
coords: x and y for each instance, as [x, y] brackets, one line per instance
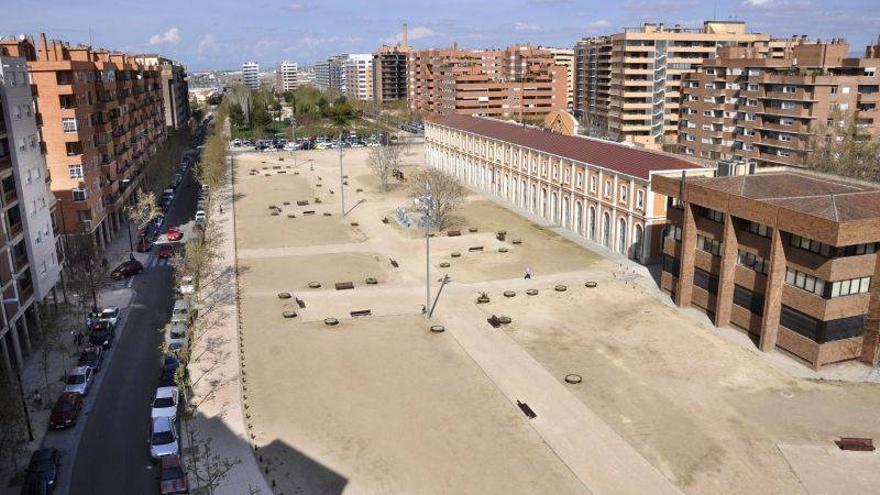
[341, 177]
[24, 406]
[426, 203]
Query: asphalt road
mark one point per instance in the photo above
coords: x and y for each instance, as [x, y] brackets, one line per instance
[113, 455]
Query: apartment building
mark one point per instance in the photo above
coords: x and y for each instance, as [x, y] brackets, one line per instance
[250, 74]
[628, 84]
[330, 74]
[565, 57]
[789, 256]
[286, 76]
[519, 82]
[596, 189]
[30, 256]
[305, 77]
[101, 116]
[389, 74]
[745, 106]
[359, 76]
[175, 89]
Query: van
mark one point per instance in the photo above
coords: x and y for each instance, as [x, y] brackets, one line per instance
[181, 312]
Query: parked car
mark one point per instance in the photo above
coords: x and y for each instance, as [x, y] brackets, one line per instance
[66, 410]
[163, 438]
[170, 363]
[176, 337]
[127, 269]
[165, 403]
[172, 477]
[181, 312]
[92, 356]
[102, 333]
[42, 472]
[200, 215]
[166, 379]
[78, 380]
[174, 233]
[167, 251]
[187, 286]
[111, 314]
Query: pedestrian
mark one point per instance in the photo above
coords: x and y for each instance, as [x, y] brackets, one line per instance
[221, 209]
[528, 273]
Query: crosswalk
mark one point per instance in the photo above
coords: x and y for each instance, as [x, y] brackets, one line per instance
[152, 262]
[155, 261]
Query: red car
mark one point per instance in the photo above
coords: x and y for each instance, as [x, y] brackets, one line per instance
[167, 250]
[174, 233]
[172, 478]
[66, 410]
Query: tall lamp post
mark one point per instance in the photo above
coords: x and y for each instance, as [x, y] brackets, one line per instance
[341, 177]
[426, 204]
[24, 406]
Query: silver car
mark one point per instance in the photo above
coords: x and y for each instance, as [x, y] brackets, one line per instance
[79, 380]
[163, 438]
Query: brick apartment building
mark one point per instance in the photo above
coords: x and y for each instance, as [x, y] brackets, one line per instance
[519, 82]
[358, 70]
[596, 189]
[628, 84]
[175, 89]
[102, 118]
[789, 256]
[742, 105]
[30, 256]
[389, 74]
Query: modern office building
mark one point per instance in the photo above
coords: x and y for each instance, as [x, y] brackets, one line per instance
[520, 82]
[286, 76]
[743, 105]
[101, 117]
[788, 256]
[389, 73]
[330, 74]
[359, 76]
[30, 254]
[250, 74]
[175, 89]
[596, 189]
[565, 57]
[628, 84]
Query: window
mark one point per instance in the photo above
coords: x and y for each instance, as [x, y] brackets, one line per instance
[747, 299]
[850, 287]
[80, 194]
[804, 281]
[75, 171]
[68, 124]
[671, 265]
[608, 188]
[706, 281]
[623, 193]
[710, 245]
[796, 321]
[593, 184]
[857, 249]
[714, 215]
[673, 232]
[810, 245]
[753, 262]
[834, 90]
[640, 199]
[759, 229]
[580, 180]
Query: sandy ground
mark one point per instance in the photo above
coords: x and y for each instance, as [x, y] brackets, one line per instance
[378, 405]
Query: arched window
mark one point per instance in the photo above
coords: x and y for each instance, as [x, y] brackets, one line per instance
[621, 236]
[638, 238]
[591, 225]
[579, 217]
[606, 230]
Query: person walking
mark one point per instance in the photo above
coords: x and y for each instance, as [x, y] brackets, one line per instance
[528, 273]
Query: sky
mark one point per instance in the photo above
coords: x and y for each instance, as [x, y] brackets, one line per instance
[221, 34]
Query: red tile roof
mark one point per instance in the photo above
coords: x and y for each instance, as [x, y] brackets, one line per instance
[631, 161]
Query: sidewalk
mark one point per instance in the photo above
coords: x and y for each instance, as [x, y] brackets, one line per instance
[215, 370]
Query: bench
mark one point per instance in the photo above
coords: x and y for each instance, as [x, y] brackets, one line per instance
[475, 248]
[344, 285]
[300, 303]
[454, 233]
[394, 264]
[494, 321]
[361, 312]
[309, 212]
[854, 443]
[302, 203]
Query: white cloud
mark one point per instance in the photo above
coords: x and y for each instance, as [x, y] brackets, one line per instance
[522, 26]
[601, 23]
[297, 7]
[170, 37]
[758, 3]
[207, 43]
[413, 33]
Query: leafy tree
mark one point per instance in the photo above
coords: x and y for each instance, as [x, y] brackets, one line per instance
[842, 147]
[236, 115]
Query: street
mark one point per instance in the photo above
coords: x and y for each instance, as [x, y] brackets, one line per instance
[112, 456]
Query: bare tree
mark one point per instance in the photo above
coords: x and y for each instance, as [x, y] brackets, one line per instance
[208, 467]
[143, 209]
[445, 190]
[383, 161]
[842, 146]
[12, 425]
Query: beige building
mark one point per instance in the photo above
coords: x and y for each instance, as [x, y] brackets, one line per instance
[628, 84]
[565, 58]
[744, 106]
[596, 189]
[358, 70]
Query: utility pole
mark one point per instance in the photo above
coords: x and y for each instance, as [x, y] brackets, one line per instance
[341, 177]
[426, 202]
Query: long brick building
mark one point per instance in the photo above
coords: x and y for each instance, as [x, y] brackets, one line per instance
[788, 256]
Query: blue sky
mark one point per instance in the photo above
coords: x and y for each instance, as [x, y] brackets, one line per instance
[223, 33]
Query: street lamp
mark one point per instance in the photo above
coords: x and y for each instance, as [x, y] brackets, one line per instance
[24, 406]
[426, 204]
[341, 177]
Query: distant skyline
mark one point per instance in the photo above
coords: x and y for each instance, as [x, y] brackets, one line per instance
[222, 34]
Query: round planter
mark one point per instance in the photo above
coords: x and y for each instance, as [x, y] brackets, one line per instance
[272, 207]
[371, 281]
[331, 322]
[354, 224]
[289, 314]
[560, 288]
[573, 378]
[314, 285]
[284, 295]
[328, 214]
[509, 293]
[444, 265]
[456, 254]
[591, 284]
[502, 250]
[502, 232]
[274, 213]
[472, 229]
[482, 300]
[516, 241]
[437, 329]
[291, 215]
[286, 203]
[504, 320]
[532, 292]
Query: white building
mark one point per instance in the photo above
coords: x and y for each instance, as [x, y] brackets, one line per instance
[287, 76]
[359, 76]
[250, 74]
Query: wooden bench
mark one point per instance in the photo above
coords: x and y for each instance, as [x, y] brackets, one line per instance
[309, 212]
[454, 233]
[854, 443]
[475, 248]
[344, 285]
[361, 312]
[302, 203]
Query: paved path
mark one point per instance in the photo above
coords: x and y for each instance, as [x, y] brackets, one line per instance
[216, 371]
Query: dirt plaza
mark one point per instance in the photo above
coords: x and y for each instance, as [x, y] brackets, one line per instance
[379, 404]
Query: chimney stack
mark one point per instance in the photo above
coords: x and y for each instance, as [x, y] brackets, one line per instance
[403, 38]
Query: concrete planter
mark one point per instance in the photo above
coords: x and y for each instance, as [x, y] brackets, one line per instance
[573, 378]
[331, 322]
[284, 295]
[437, 329]
[509, 293]
[532, 292]
[314, 285]
[560, 288]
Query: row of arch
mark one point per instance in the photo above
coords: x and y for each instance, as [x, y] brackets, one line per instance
[536, 198]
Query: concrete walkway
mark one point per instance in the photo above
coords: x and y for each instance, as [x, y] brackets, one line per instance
[215, 370]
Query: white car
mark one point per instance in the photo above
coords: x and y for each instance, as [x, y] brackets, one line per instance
[176, 337]
[165, 403]
[163, 438]
[187, 286]
[79, 380]
[200, 215]
[371, 144]
[111, 314]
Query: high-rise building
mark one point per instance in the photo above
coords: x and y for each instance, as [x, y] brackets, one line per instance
[389, 74]
[101, 117]
[565, 58]
[359, 76]
[286, 76]
[175, 89]
[628, 84]
[519, 82]
[30, 254]
[306, 76]
[330, 74]
[250, 74]
[743, 105]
